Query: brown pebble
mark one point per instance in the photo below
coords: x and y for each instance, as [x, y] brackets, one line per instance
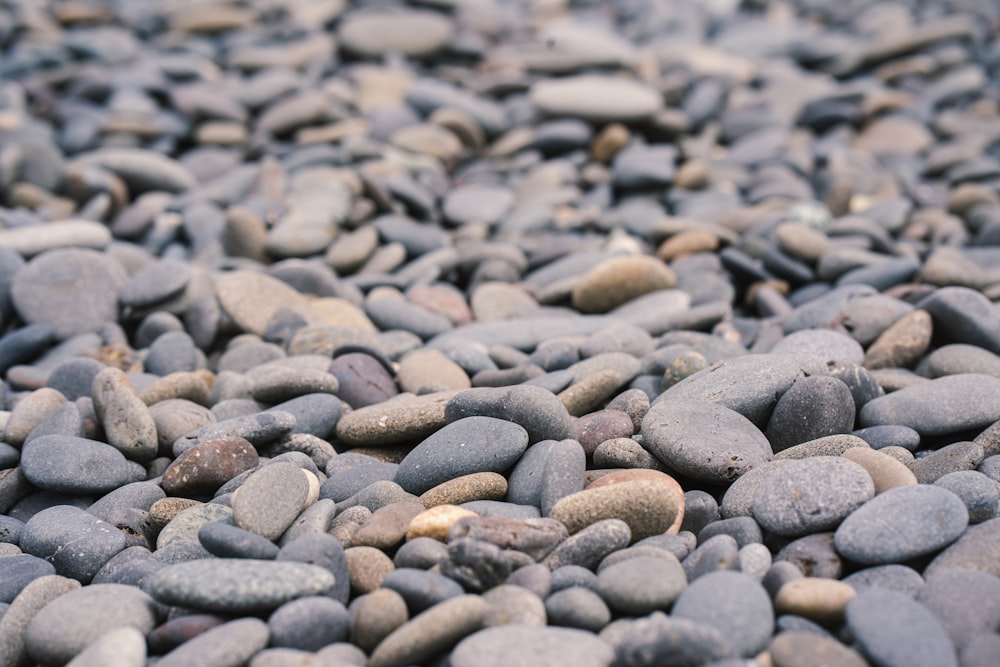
[687, 243]
[903, 343]
[809, 649]
[367, 567]
[436, 521]
[208, 465]
[694, 174]
[619, 476]
[386, 527]
[591, 392]
[885, 471]
[648, 507]
[190, 386]
[477, 486]
[609, 141]
[165, 510]
[375, 616]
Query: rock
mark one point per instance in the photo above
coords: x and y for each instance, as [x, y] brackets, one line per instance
[892, 629]
[798, 649]
[309, 623]
[237, 640]
[718, 445]
[971, 550]
[819, 600]
[207, 466]
[599, 99]
[373, 34]
[94, 542]
[735, 604]
[127, 422]
[577, 607]
[32, 599]
[538, 411]
[438, 628]
[234, 586]
[812, 495]
[124, 647]
[946, 405]
[813, 407]
[648, 507]
[466, 446]
[924, 519]
[620, 280]
[531, 646]
[641, 585]
[272, 497]
[660, 639]
[71, 622]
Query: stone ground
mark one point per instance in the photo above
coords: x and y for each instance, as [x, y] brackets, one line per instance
[472, 333]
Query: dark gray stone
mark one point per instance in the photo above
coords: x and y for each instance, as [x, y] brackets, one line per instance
[892, 629]
[94, 542]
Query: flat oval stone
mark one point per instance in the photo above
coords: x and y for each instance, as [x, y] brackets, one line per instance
[18, 571]
[401, 419]
[648, 507]
[706, 441]
[32, 240]
[409, 33]
[68, 624]
[619, 280]
[435, 630]
[230, 642]
[641, 585]
[734, 603]
[532, 646]
[537, 410]
[661, 639]
[813, 407]
[68, 464]
[803, 649]
[972, 551]
[812, 495]
[466, 446]
[141, 169]
[923, 519]
[127, 422]
[237, 586]
[252, 298]
[589, 547]
[272, 498]
[601, 99]
[71, 290]
[820, 600]
[205, 467]
[477, 203]
[892, 629]
[945, 405]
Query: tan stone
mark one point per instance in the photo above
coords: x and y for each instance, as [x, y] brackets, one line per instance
[818, 599]
[436, 522]
[885, 471]
[619, 476]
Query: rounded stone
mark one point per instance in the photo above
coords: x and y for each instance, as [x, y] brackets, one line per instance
[410, 33]
[309, 623]
[600, 99]
[236, 586]
[375, 616]
[91, 541]
[659, 639]
[463, 447]
[949, 404]
[641, 585]
[207, 466]
[813, 407]
[437, 629]
[703, 440]
[735, 604]
[235, 642]
[902, 523]
[272, 498]
[68, 464]
[812, 495]
[819, 600]
[71, 622]
[885, 471]
[619, 280]
[251, 299]
[647, 507]
[892, 629]
[71, 290]
[127, 422]
[804, 649]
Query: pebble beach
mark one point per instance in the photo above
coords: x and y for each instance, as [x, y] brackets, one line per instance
[493, 333]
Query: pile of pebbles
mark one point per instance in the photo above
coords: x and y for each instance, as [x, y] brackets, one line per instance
[472, 333]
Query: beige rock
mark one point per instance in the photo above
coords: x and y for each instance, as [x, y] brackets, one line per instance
[436, 521]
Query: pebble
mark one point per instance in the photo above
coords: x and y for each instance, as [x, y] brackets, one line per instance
[536, 410]
[979, 493]
[641, 585]
[466, 446]
[599, 99]
[92, 542]
[127, 422]
[963, 602]
[893, 629]
[224, 644]
[945, 405]
[207, 466]
[437, 629]
[577, 607]
[233, 586]
[735, 604]
[658, 638]
[820, 600]
[68, 624]
[968, 551]
[69, 464]
[798, 649]
[272, 498]
[925, 518]
[812, 495]
[309, 623]
[719, 444]
[813, 407]
[531, 646]
[123, 647]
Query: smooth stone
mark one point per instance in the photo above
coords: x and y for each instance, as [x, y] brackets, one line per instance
[659, 639]
[251, 299]
[889, 435]
[704, 440]
[188, 520]
[367, 568]
[205, 467]
[735, 604]
[536, 537]
[903, 343]
[531, 646]
[258, 429]
[372, 34]
[122, 647]
[812, 495]
[726, 384]
[29, 413]
[234, 586]
[717, 553]
[421, 589]
[565, 469]
[467, 488]
[513, 604]
[962, 358]
[951, 458]
[375, 615]
[599, 99]
[127, 422]
[50, 531]
[963, 315]
[938, 407]
[272, 498]
[430, 368]
[469, 445]
[363, 380]
[32, 240]
[924, 519]
[18, 571]
[641, 585]
[71, 622]
[401, 419]
[154, 283]
[486, 204]
[437, 629]
[971, 551]
[893, 577]
[820, 600]
[537, 410]
[588, 547]
[802, 649]
[71, 290]
[979, 493]
[619, 280]
[885, 471]
[227, 541]
[964, 601]
[813, 407]
[324, 550]
[140, 169]
[15, 620]
[648, 507]
[892, 629]
[234, 642]
[577, 607]
[814, 555]
[309, 624]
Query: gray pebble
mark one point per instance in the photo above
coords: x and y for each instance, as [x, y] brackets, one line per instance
[92, 542]
[892, 629]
